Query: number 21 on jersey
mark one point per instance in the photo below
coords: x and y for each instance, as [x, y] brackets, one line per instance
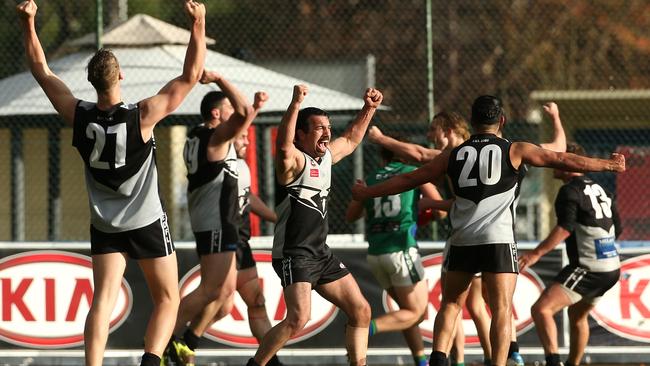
[96, 132]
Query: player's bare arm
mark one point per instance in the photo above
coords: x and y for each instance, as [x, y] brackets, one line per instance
[555, 237]
[429, 172]
[353, 135]
[355, 211]
[431, 199]
[243, 113]
[403, 150]
[259, 208]
[57, 92]
[174, 92]
[559, 137]
[289, 161]
[523, 152]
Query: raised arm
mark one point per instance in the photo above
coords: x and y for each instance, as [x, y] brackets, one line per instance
[171, 96]
[403, 150]
[429, 172]
[55, 89]
[242, 116]
[524, 152]
[559, 138]
[353, 135]
[259, 208]
[289, 161]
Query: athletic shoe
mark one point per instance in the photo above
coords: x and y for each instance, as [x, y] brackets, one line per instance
[515, 359]
[179, 353]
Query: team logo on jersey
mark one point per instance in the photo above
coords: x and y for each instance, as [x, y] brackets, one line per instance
[46, 296]
[313, 198]
[234, 330]
[529, 287]
[313, 172]
[625, 309]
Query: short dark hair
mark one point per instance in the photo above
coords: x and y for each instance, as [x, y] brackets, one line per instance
[303, 117]
[209, 102]
[575, 148]
[486, 110]
[103, 70]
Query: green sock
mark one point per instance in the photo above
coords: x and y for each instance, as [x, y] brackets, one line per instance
[420, 360]
[372, 330]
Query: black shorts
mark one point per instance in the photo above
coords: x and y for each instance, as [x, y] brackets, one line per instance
[588, 284]
[245, 258]
[214, 241]
[151, 241]
[317, 271]
[497, 258]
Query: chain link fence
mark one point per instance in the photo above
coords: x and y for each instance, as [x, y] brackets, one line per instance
[590, 57]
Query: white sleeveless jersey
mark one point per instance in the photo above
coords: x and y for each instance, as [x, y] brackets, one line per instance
[486, 186]
[302, 215]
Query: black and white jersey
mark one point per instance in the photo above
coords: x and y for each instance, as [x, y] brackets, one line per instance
[121, 174]
[212, 192]
[486, 186]
[302, 215]
[244, 184]
[588, 211]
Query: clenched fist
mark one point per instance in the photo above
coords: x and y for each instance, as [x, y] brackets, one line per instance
[26, 10]
[195, 10]
[260, 99]
[373, 98]
[299, 93]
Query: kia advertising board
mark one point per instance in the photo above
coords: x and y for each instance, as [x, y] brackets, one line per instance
[46, 296]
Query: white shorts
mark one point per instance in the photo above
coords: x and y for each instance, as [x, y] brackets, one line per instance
[398, 269]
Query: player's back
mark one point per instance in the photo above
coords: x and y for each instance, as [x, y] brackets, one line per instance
[121, 174]
[485, 185]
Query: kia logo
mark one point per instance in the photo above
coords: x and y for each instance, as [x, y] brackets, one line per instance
[625, 309]
[233, 329]
[529, 287]
[46, 296]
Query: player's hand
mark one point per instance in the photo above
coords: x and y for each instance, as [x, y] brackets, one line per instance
[26, 10]
[373, 98]
[526, 260]
[260, 99]
[299, 93]
[618, 162]
[359, 190]
[375, 134]
[209, 77]
[552, 110]
[195, 10]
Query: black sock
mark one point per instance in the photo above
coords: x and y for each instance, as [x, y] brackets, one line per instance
[514, 347]
[553, 359]
[251, 362]
[438, 359]
[274, 361]
[191, 339]
[567, 363]
[149, 359]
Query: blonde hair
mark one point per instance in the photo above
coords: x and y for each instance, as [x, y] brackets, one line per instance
[103, 70]
[452, 121]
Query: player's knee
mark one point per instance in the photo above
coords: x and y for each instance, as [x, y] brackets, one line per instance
[222, 292]
[296, 322]
[361, 313]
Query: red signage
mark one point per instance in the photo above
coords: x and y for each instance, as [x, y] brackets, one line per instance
[46, 296]
[234, 330]
[529, 287]
[625, 309]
